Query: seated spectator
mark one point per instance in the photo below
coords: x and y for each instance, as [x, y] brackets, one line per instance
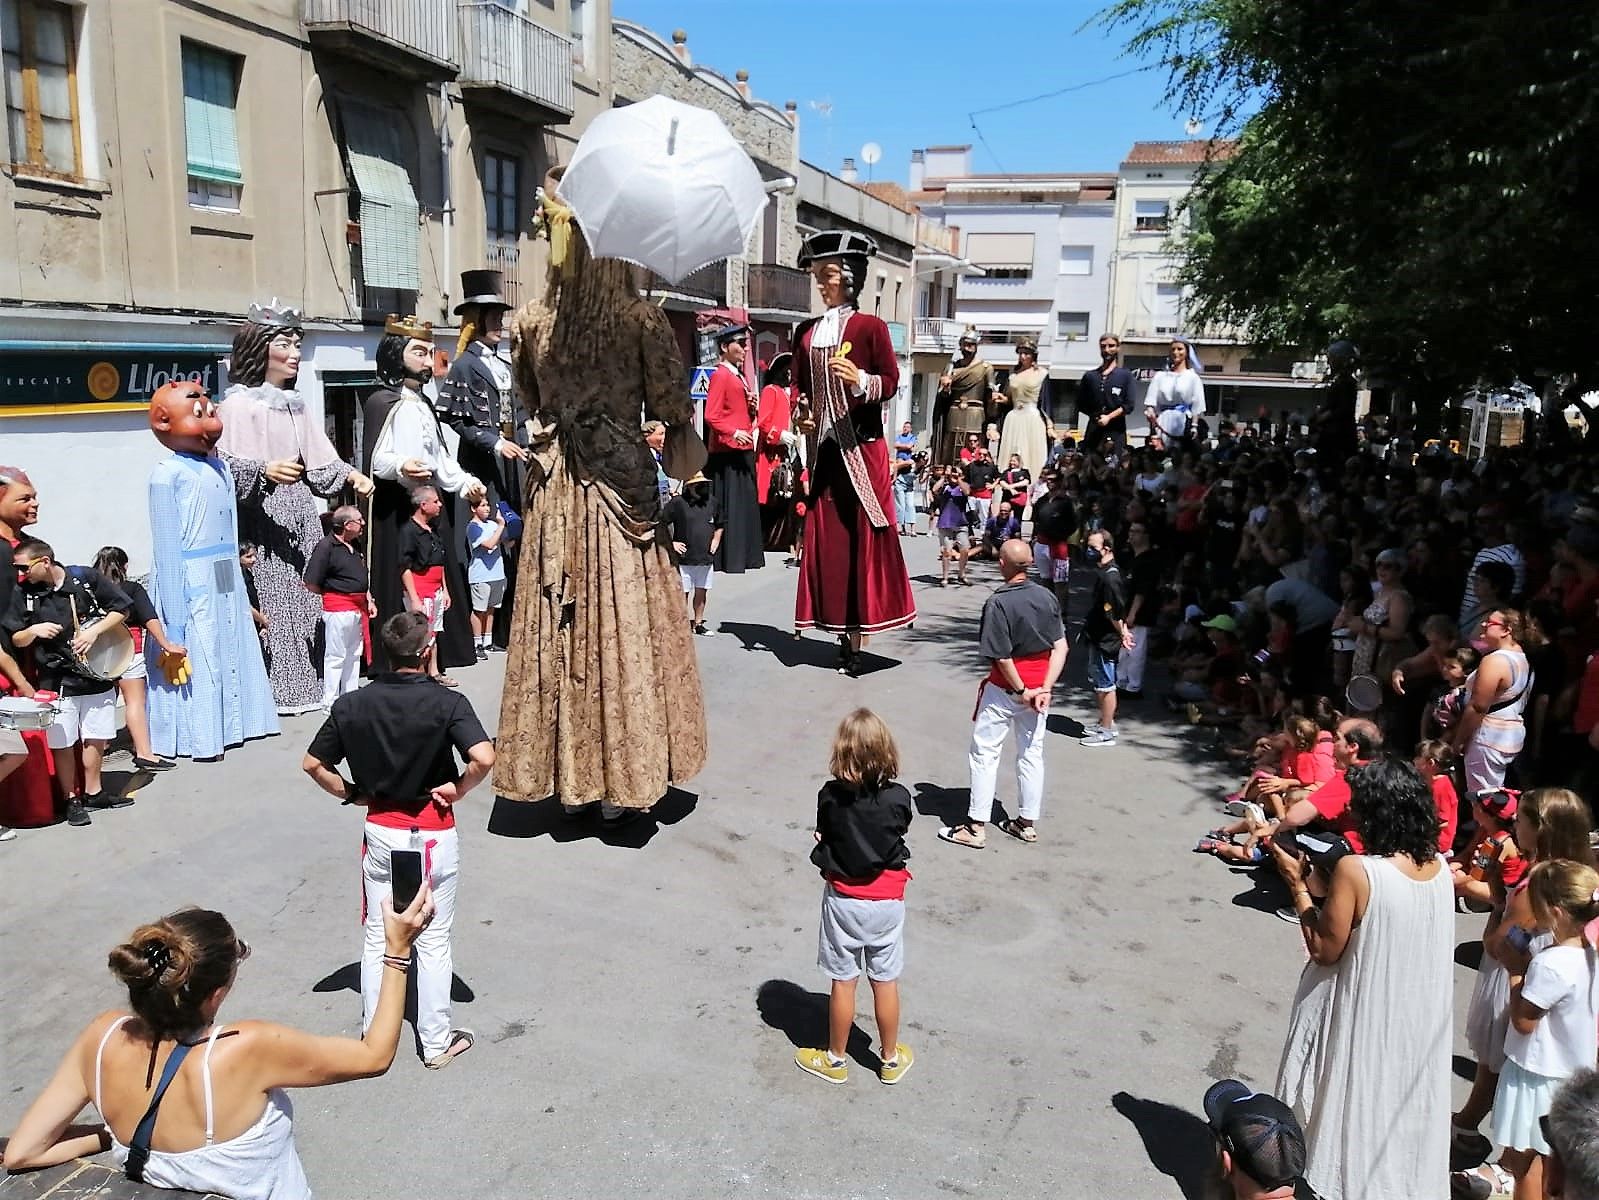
[1211, 678]
[1571, 1170]
[1260, 1148]
[1492, 863]
[1328, 809]
[1299, 772]
[1001, 527]
[228, 1128]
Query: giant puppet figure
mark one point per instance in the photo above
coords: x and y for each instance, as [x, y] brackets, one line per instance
[405, 450]
[852, 579]
[281, 462]
[213, 691]
[602, 693]
[478, 401]
[965, 398]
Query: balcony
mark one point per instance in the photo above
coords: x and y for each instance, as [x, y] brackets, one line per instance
[512, 63]
[413, 38]
[506, 258]
[937, 335]
[776, 289]
[705, 288]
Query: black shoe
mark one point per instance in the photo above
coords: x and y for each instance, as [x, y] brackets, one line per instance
[153, 764]
[77, 814]
[99, 801]
[482, 654]
[496, 649]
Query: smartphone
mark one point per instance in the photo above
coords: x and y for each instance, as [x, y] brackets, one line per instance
[405, 877]
[1520, 939]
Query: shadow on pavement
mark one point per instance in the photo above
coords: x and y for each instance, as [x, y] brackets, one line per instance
[348, 979]
[1267, 892]
[782, 645]
[948, 805]
[546, 818]
[1469, 954]
[802, 1017]
[1178, 1143]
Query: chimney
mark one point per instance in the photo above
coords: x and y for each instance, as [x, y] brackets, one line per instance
[742, 78]
[791, 111]
[847, 174]
[918, 169]
[680, 46]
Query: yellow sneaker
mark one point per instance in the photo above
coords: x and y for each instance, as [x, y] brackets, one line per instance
[893, 1072]
[819, 1064]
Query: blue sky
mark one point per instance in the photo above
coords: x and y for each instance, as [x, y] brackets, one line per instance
[905, 73]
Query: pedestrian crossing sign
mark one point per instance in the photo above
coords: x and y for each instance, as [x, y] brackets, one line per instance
[700, 385]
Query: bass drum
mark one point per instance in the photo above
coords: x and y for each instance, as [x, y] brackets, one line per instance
[111, 654]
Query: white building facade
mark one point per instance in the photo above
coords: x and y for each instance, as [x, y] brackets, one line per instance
[1044, 245]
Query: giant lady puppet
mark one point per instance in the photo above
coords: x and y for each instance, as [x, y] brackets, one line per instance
[281, 461]
[602, 693]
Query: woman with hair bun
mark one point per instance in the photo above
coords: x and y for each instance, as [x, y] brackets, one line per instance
[216, 1121]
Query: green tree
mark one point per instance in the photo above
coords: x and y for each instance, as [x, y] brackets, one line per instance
[1421, 176]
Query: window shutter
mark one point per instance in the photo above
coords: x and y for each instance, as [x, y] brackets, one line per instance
[210, 122]
[1004, 251]
[389, 210]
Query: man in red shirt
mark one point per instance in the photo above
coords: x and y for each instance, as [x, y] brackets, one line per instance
[730, 437]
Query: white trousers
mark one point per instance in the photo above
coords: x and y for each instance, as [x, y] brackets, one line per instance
[998, 716]
[341, 654]
[433, 964]
[1130, 664]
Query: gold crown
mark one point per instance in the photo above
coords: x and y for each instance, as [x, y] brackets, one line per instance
[409, 327]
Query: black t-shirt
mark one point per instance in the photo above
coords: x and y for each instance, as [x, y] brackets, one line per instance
[980, 475]
[399, 734]
[694, 525]
[93, 595]
[1106, 393]
[420, 547]
[143, 611]
[1143, 577]
[1054, 517]
[336, 567]
[1020, 619]
[863, 830]
[1109, 605]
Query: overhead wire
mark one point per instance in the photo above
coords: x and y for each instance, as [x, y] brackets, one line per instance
[1075, 87]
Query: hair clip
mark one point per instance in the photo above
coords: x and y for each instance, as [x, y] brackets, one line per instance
[158, 956]
[1594, 899]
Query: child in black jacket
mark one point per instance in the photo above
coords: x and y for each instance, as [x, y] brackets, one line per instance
[861, 819]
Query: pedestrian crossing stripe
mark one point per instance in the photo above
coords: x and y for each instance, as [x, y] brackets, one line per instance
[700, 385]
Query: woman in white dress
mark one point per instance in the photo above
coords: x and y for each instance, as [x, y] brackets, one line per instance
[1024, 431]
[1366, 1064]
[1174, 394]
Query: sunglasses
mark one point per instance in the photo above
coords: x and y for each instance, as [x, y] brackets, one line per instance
[241, 949]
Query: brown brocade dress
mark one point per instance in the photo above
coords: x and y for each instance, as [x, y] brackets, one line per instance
[602, 691]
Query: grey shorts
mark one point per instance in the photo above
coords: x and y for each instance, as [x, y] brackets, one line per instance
[957, 537]
[487, 595]
[854, 932]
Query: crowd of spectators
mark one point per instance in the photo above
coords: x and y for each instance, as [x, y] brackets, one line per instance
[1393, 648]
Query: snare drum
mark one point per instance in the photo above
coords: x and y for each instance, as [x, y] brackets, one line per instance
[22, 713]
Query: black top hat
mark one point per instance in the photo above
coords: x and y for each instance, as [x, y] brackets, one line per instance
[835, 243]
[482, 288]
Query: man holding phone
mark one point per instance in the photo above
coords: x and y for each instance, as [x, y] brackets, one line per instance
[400, 735]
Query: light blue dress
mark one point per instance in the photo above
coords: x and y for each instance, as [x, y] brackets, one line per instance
[198, 591]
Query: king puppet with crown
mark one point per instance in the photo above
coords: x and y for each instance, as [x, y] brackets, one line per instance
[406, 450]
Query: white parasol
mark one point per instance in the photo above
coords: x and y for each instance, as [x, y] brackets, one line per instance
[664, 185]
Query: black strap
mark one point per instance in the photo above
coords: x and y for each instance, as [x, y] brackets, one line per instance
[139, 1146]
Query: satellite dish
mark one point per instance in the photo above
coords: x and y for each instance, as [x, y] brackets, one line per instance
[871, 153]
[1193, 127]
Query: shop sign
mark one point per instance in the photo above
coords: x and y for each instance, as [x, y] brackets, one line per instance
[34, 382]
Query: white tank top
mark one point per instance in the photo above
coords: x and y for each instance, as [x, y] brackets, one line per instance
[260, 1164]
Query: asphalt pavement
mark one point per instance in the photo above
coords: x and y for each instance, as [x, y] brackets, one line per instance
[638, 997]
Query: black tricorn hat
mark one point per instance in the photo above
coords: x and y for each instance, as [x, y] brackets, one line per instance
[835, 243]
[482, 288]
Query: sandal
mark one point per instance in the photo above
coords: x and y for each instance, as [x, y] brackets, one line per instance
[963, 835]
[445, 681]
[461, 1040]
[1014, 827]
[1210, 844]
[1474, 1185]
